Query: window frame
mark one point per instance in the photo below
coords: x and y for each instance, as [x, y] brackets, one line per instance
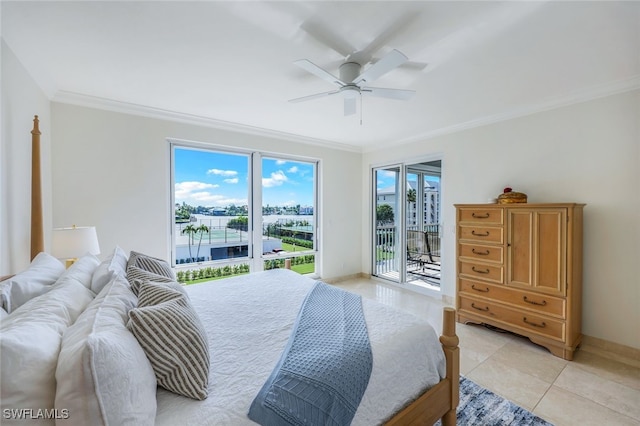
[255, 257]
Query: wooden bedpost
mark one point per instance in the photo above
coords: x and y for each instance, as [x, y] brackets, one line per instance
[450, 342]
[37, 227]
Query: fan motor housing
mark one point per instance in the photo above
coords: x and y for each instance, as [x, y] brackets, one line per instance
[349, 71]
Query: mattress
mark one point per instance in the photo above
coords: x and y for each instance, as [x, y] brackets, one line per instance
[248, 320]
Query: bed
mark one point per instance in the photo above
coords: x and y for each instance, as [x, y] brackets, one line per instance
[101, 376]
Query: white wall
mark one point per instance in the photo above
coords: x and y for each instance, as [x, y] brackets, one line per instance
[111, 170]
[21, 100]
[587, 153]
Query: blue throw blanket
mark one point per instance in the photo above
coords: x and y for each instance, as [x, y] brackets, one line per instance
[325, 367]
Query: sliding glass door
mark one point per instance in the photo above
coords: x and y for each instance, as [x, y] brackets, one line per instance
[406, 224]
[423, 230]
[387, 223]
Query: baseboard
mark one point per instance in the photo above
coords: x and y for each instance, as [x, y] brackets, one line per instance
[610, 350]
[335, 280]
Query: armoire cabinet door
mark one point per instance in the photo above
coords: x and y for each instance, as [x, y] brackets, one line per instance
[536, 249]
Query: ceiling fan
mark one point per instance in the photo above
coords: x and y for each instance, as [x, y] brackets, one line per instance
[353, 82]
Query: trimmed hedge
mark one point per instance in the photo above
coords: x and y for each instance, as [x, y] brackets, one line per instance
[298, 242]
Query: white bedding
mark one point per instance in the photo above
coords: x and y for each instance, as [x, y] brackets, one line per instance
[248, 320]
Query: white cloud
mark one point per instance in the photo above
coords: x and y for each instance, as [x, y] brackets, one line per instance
[199, 194]
[293, 169]
[185, 189]
[219, 172]
[276, 179]
[231, 180]
[280, 162]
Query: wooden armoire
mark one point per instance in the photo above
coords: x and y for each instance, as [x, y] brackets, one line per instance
[519, 268]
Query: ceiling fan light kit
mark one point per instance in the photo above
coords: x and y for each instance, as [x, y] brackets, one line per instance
[351, 83]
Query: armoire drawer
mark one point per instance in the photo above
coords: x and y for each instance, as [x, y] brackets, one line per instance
[481, 234]
[496, 313]
[481, 215]
[540, 303]
[481, 271]
[481, 252]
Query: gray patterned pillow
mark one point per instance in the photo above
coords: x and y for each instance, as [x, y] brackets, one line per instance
[136, 284]
[137, 275]
[151, 264]
[173, 338]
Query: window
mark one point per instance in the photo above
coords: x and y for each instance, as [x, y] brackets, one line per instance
[288, 213]
[217, 230]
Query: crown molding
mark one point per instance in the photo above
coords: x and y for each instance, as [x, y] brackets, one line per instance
[88, 101]
[590, 93]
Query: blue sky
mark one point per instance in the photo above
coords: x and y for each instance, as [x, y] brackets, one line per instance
[214, 179]
[387, 179]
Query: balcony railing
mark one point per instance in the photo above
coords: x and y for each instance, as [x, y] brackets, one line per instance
[424, 267]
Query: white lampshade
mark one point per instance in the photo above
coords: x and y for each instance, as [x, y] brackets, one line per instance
[74, 242]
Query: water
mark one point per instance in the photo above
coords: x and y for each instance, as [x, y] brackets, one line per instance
[221, 221]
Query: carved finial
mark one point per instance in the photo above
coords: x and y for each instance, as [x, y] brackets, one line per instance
[36, 128]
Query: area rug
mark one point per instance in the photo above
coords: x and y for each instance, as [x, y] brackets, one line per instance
[481, 407]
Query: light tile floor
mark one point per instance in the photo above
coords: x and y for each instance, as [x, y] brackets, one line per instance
[590, 390]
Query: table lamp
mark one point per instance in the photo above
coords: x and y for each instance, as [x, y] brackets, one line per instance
[71, 243]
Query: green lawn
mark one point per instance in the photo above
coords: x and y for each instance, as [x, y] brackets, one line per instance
[305, 268]
[383, 255]
[293, 248]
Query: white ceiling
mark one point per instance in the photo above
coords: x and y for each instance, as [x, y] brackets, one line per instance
[230, 64]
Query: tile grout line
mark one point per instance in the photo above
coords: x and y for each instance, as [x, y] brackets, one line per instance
[548, 389]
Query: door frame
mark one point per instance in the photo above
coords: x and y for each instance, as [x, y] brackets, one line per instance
[403, 167]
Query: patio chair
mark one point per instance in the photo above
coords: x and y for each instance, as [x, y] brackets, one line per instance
[418, 248]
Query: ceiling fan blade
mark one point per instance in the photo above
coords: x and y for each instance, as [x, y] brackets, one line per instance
[316, 96]
[388, 62]
[399, 94]
[307, 65]
[349, 106]
[390, 34]
[413, 65]
[327, 37]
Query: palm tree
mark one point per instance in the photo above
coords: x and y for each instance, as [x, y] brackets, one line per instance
[190, 230]
[411, 195]
[201, 229]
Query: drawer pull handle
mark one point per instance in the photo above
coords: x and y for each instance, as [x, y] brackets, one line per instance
[543, 325]
[477, 216]
[485, 309]
[486, 234]
[486, 290]
[543, 303]
[481, 253]
[473, 268]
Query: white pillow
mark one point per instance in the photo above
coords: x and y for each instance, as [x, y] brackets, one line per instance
[82, 270]
[3, 314]
[103, 375]
[30, 343]
[115, 264]
[43, 271]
